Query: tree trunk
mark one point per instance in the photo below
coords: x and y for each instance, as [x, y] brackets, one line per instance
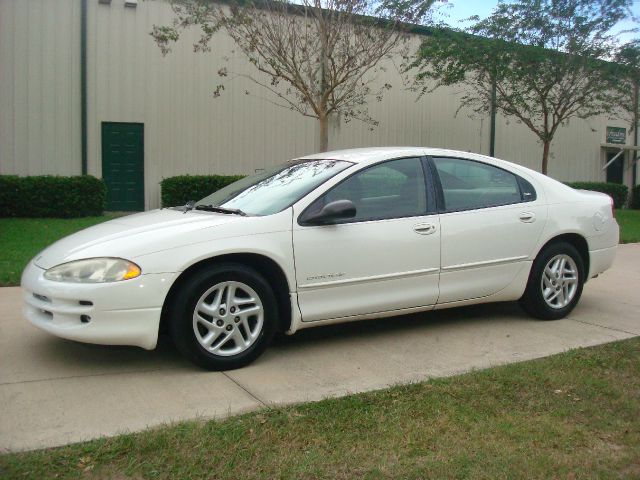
[545, 155]
[324, 133]
[323, 117]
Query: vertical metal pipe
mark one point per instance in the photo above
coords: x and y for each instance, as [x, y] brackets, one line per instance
[492, 128]
[83, 84]
[636, 99]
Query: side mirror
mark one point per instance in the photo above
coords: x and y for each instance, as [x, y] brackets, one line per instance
[336, 210]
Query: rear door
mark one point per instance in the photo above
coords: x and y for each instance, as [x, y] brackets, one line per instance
[490, 223]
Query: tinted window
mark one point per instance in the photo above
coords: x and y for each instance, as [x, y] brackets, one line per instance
[275, 189]
[392, 189]
[528, 192]
[468, 185]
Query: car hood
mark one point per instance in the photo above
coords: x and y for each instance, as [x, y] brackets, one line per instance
[134, 235]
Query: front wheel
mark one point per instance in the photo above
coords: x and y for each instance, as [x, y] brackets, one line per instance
[555, 282]
[223, 317]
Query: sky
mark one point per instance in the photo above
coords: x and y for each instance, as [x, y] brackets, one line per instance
[456, 10]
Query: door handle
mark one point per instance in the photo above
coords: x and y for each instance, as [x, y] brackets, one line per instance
[527, 217]
[425, 228]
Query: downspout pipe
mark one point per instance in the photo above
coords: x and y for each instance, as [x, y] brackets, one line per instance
[492, 127]
[83, 84]
[634, 176]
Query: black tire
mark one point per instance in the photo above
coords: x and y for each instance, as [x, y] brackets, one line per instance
[181, 314]
[533, 301]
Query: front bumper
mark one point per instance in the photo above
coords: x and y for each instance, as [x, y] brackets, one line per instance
[117, 313]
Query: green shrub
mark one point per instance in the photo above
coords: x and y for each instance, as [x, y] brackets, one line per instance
[179, 190]
[51, 196]
[635, 197]
[618, 192]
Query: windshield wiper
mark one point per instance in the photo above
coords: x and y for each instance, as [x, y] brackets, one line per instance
[229, 211]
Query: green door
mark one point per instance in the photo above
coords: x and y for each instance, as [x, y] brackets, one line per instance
[123, 165]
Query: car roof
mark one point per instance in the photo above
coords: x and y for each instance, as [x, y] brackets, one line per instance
[377, 154]
[368, 155]
[371, 155]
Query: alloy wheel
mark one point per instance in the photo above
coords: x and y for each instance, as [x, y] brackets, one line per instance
[228, 318]
[559, 282]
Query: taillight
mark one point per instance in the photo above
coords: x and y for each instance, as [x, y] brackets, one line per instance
[613, 210]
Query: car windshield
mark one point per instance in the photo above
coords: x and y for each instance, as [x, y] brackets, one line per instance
[275, 189]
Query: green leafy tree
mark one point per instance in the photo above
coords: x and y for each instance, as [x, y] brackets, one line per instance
[626, 86]
[627, 82]
[315, 57]
[538, 61]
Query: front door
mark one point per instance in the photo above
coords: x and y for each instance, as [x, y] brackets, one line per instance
[123, 165]
[385, 258]
[616, 169]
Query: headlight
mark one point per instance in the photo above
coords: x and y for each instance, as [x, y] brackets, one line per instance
[94, 270]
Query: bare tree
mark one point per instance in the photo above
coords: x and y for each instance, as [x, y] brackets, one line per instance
[538, 61]
[315, 57]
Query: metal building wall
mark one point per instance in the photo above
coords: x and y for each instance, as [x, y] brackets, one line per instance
[575, 151]
[186, 129]
[406, 120]
[39, 87]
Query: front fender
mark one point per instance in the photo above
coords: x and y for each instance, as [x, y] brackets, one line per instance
[270, 237]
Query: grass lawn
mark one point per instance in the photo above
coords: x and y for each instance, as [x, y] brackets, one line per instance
[629, 221]
[22, 238]
[573, 415]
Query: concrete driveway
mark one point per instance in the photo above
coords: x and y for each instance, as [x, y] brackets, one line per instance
[54, 392]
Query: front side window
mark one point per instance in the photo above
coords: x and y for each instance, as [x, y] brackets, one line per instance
[277, 188]
[468, 185]
[392, 189]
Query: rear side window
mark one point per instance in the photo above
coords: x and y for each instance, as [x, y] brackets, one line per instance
[528, 192]
[469, 185]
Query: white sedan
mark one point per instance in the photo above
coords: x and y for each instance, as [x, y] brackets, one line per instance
[328, 238]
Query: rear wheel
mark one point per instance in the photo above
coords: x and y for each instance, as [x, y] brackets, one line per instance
[555, 283]
[223, 317]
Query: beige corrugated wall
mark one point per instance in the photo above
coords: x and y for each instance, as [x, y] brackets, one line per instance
[186, 129]
[39, 87]
[575, 151]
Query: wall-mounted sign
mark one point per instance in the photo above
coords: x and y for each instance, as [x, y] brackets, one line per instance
[617, 135]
